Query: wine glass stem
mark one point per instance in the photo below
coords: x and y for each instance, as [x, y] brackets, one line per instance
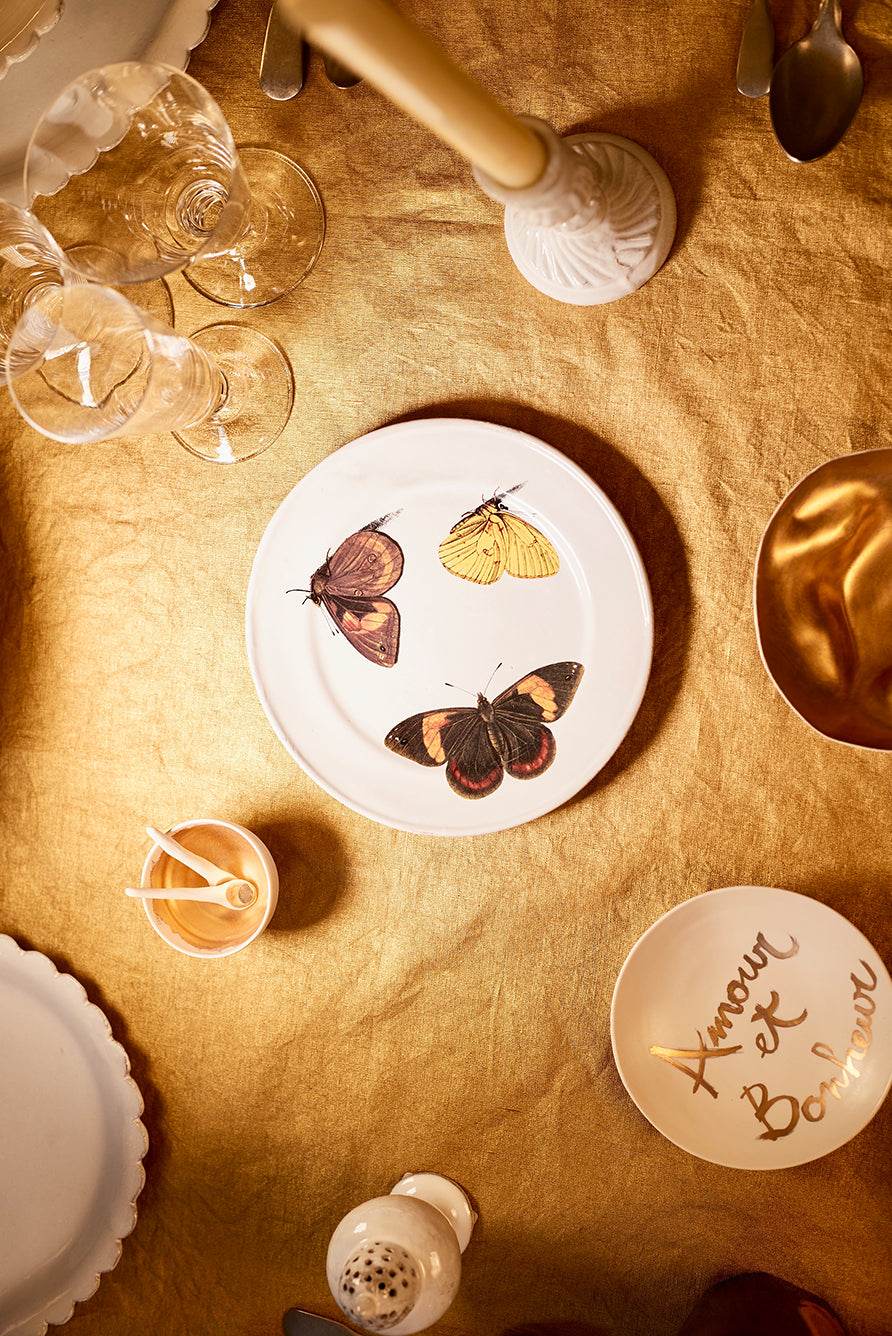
[223, 395]
[204, 211]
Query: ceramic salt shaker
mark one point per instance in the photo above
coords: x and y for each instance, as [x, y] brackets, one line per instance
[394, 1263]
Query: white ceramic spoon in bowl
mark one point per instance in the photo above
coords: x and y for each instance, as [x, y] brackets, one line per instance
[233, 894]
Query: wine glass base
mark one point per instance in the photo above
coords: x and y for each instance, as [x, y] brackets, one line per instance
[283, 241]
[617, 256]
[260, 395]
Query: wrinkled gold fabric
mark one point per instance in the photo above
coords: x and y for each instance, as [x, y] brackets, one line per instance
[429, 1004]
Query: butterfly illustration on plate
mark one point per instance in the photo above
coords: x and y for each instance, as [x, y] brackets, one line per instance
[480, 744]
[491, 539]
[351, 585]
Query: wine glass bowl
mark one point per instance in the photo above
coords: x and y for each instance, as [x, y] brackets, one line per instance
[85, 365]
[139, 158]
[31, 263]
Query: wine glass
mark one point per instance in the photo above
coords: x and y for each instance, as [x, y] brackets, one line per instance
[138, 158]
[30, 263]
[84, 364]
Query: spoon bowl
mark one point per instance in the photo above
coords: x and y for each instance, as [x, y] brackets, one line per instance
[816, 89]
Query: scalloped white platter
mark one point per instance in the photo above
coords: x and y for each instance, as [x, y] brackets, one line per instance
[752, 1027]
[332, 708]
[22, 24]
[88, 34]
[71, 1143]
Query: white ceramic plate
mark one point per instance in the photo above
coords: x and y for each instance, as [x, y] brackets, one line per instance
[753, 1027]
[332, 708]
[90, 33]
[22, 24]
[71, 1143]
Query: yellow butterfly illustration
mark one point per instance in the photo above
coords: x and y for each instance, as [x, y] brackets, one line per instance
[489, 540]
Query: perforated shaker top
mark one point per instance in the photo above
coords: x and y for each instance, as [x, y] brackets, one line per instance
[379, 1286]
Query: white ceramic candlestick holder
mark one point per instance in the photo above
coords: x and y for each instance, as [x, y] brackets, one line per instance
[597, 225]
[394, 1263]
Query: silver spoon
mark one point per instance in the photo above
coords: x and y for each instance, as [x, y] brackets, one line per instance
[755, 60]
[816, 89]
[282, 59]
[338, 74]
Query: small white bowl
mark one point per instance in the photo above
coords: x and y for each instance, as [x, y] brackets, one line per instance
[207, 930]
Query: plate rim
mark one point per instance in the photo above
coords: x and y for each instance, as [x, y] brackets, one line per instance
[685, 906]
[85, 1016]
[23, 43]
[554, 457]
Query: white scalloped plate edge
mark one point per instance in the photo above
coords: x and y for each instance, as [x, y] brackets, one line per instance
[24, 45]
[181, 27]
[87, 1278]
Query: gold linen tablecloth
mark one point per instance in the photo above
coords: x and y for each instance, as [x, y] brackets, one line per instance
[421, 1003]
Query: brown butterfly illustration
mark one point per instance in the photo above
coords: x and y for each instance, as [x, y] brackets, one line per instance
[480, 744]
[351, 585]
[489, 540]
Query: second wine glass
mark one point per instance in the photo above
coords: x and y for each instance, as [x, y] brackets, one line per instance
[138, 159]
[30, 264]
[85, 365]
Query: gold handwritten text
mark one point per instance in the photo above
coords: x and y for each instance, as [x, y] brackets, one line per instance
[737, 992]
[673, 1056]
[769, 1016]
[813, 1107]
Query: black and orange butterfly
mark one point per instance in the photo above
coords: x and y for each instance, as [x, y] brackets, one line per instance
[351, 585]
[489, 540]
[480, 744]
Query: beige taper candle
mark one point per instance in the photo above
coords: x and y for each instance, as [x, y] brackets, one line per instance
[404, 63]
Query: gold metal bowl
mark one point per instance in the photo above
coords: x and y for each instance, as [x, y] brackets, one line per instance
[823, 599]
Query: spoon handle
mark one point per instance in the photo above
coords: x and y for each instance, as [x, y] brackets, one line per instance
[234, 894]
[206, 894]
[755, 61]
[830, 11]
[282, 59]
[211, 873]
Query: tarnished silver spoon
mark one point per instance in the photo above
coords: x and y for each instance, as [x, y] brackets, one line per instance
[816, 89]
[282, 59]
[755, 60]
[339, 75]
